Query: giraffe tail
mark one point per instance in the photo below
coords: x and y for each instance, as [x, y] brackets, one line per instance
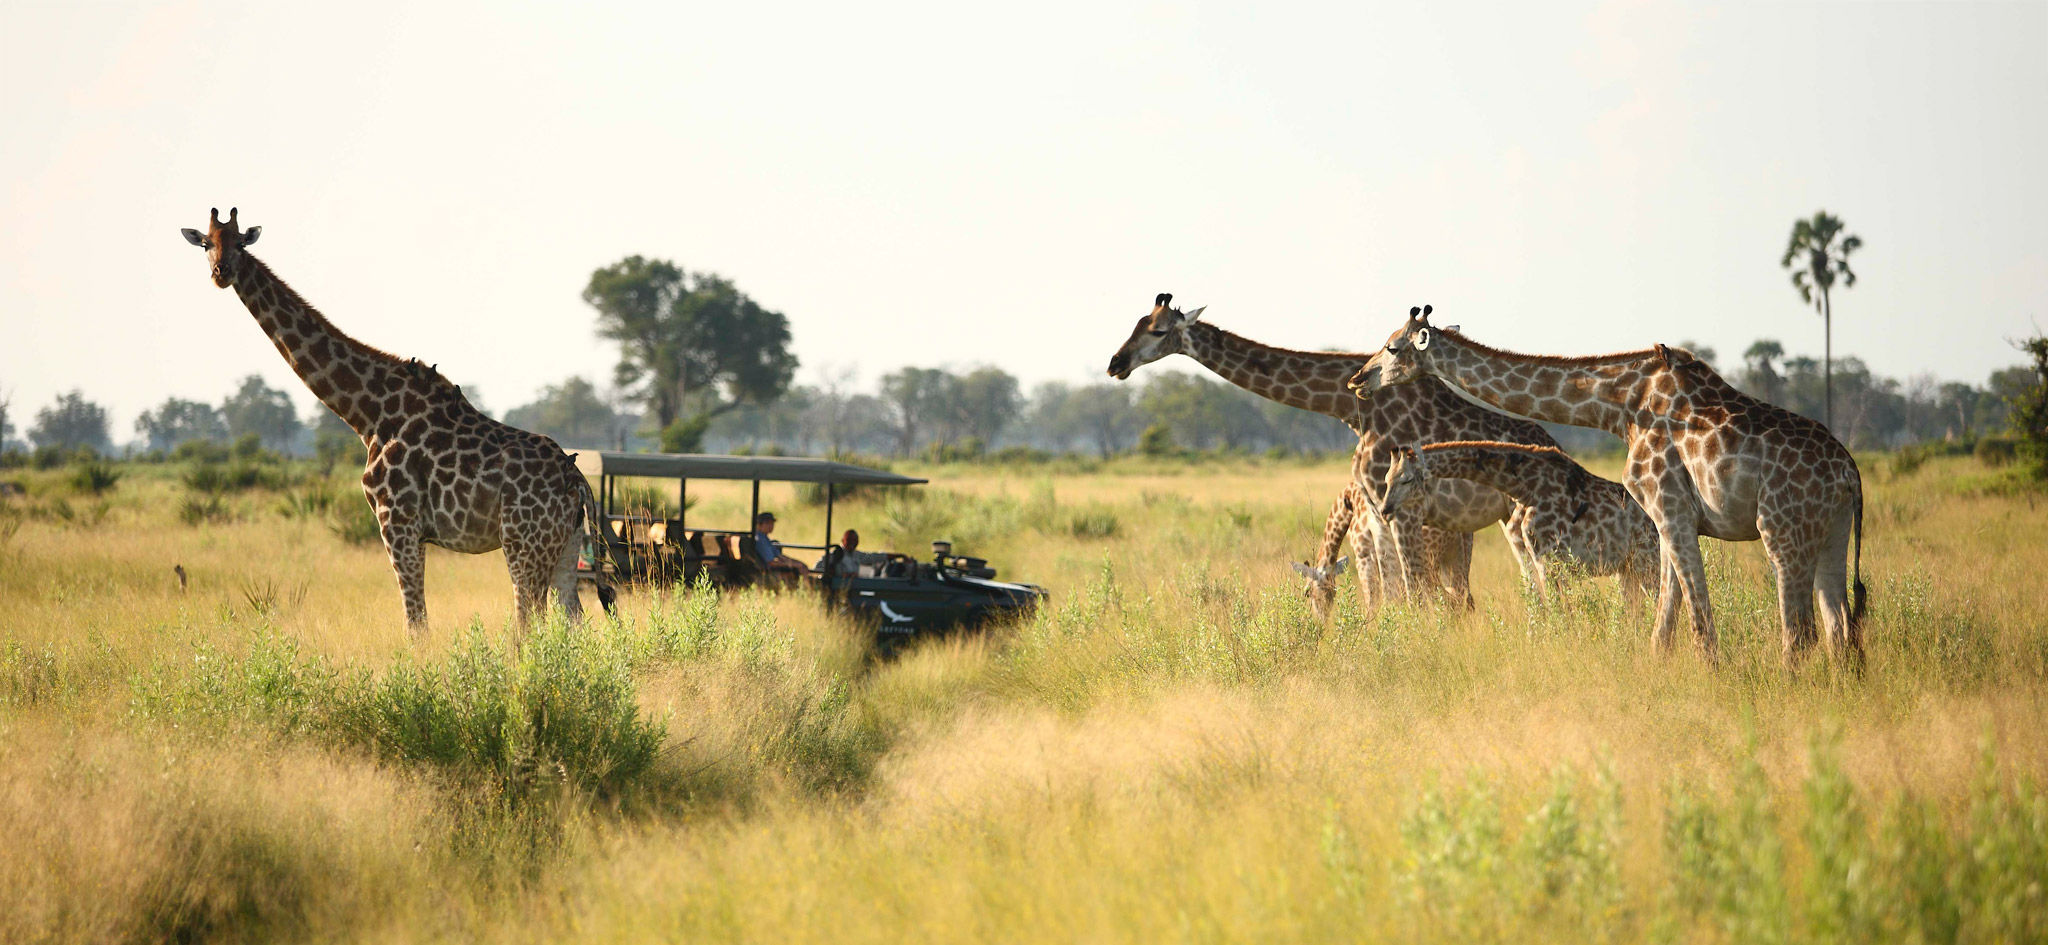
[1861, 594]
[599, 531]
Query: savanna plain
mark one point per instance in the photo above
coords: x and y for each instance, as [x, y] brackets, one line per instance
[1173, 750]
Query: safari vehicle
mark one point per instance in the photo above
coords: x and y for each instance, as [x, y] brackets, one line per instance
[897, 594]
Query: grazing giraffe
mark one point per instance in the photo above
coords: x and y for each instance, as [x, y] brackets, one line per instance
[1446, 553]
[1575, 519]
[1703, 459]
[439, 471]
[1314, 381]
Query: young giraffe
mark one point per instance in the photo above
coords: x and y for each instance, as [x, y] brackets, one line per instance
[1703, 459]
[1576, 519]
[1446, 553]
[1314, 381]
[439, 471]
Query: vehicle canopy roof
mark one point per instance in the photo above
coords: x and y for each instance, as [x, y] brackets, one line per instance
[716, 466]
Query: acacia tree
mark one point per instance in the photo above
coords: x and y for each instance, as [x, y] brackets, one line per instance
[1821, 261]
[692, 345]
[71, 422]
[177, 420]
[256, 407]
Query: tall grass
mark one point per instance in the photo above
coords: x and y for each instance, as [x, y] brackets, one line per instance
[1174, 749]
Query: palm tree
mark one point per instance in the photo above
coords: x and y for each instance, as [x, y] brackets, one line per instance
[1813, 244]
[1761, 375]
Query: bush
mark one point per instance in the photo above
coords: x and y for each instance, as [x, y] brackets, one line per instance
[354, 522]
[1157, 440]
[239, 476]
[1996, 451]
[197, 510]
[200, 451]
[1094, 522]
[93, 476]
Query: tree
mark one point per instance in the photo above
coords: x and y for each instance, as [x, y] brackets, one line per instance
[1821, 261]
[1763, 378]
[258, 408]
[2030, 406]
[571, 412]
[333, 440]
[690, 343]
[985, 401]
[6, 428]
[70, 423]
[914, 396]
[1702, 352]
[1103, 414]
[177, 421]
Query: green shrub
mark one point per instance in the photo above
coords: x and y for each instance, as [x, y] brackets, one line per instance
[354, 522]
[1996, 451]
[93, 475]
[1094, 522]
[311, 500]
[1157, 441]
[198, 510]
[200, 451]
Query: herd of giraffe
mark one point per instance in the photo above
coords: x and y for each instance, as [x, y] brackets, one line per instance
[1431, 467]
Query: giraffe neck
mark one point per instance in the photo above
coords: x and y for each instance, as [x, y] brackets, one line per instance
[1311, 380]
[350, 377]
[1596, 392]
[1531, 477]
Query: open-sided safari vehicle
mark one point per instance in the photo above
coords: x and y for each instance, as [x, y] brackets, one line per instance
[899, 595]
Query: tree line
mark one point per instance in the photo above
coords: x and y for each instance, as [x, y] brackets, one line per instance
[703, 366]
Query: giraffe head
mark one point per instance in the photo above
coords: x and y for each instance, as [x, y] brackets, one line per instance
[1160, 333]
[223, 243]
[1407, 473]
[1404, 359]
[1321, 584]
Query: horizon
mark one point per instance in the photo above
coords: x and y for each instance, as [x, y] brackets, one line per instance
[442, 184]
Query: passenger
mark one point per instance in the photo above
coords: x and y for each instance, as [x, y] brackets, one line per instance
[768, 551]
[854, 562]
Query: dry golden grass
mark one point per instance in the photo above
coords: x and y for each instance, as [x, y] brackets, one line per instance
[1175, 750]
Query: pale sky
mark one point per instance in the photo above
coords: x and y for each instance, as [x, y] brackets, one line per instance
[967, 183]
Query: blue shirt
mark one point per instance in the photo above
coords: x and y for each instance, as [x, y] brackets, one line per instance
[766, 547]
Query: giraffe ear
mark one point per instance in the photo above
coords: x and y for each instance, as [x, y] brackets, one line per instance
[192, 236]
[249, 236]
[1191, 317]
[1302, 568]
[1422, 340]
[1338, 568]
[1449, 328]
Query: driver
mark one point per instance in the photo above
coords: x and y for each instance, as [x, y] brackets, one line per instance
[852, 559]
[768, 551]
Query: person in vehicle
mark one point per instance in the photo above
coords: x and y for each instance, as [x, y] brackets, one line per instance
[852, 560]
[770, 553]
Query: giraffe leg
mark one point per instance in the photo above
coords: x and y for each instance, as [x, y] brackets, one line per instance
[409, 562]
[1516, 531]
[1692, 576]
[1670, 594]
[1365, 563]
[1454, 567]
[565, 578]
[1792, 560]
[1407, 532]
[1831, 586]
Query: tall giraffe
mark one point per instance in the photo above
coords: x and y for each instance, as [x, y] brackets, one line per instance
[1314, 381]
[1703, 459]
[1575, 519]
[439, 472]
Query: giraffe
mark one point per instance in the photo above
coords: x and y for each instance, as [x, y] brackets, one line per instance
[1575, 518]
[1314, 381]
[1703, 459]
[439, 471]
[1446, 554]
